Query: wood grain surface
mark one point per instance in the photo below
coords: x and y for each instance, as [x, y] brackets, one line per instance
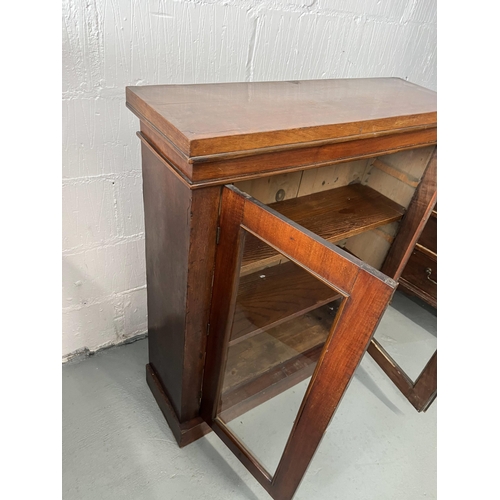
[279, 293]
[205, 119]
[256, 361]
[180, 253]
[333, 215]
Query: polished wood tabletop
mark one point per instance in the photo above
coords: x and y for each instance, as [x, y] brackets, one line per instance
[206, 119]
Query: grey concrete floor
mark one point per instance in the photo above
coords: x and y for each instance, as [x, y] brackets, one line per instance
[117, 445]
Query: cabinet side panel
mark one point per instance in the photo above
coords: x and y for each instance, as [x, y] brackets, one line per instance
[167, 205]
[204, 214]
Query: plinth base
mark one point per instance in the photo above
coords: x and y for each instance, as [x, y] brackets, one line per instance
[185, 432]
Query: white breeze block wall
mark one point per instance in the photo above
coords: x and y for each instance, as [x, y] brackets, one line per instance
[109, 44]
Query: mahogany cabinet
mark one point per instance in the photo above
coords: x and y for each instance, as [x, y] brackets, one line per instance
[279, 217]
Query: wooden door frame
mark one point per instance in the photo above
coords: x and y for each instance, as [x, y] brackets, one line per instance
[366, 292]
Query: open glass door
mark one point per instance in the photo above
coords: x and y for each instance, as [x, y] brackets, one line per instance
[291, 318]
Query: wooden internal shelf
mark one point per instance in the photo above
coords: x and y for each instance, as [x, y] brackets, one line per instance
[265, 364]
[268, 298]
[334, 215]
[282, 318]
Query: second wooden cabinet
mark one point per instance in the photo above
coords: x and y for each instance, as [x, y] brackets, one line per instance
[420, 274]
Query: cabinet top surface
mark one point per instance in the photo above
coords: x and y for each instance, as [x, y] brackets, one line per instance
[206, 119]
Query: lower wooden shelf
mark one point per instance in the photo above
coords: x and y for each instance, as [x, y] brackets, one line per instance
[263, 365]
[268, 298]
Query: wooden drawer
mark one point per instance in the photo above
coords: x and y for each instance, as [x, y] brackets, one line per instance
[417, 272]
[428, 238]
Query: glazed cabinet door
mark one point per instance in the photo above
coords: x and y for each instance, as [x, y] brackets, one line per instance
[291, 317]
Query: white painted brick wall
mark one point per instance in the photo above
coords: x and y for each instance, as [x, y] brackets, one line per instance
[109, 44]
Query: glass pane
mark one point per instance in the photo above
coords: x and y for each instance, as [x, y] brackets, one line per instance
[407, 332]
[282, 318]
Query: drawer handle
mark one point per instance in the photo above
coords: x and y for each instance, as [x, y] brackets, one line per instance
[428, 271]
